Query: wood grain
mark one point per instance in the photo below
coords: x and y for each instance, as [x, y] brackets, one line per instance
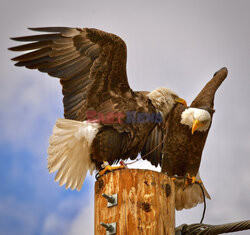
[145, 202]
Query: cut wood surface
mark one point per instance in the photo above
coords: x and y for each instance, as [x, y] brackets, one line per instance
[145, 202]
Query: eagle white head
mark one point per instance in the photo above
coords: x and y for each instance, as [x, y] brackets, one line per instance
[197, 119]
[164, 99]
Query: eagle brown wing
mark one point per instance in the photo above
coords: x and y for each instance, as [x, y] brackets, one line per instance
[90, 63]
[152, 150]
[206, 97]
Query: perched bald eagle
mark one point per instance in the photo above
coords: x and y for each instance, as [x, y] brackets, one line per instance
[184, 138]
[105, 120]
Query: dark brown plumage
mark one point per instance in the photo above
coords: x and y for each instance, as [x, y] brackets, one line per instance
[89, 63]
[183, 150]
[91, 66]
[179, 151]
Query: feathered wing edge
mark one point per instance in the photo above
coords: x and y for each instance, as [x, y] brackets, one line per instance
[206, 97]
[82, 59]
[69, 151]
[189, 197]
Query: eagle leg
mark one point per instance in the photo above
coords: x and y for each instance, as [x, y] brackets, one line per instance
[108, 168]
[173, 178]
[191, 180]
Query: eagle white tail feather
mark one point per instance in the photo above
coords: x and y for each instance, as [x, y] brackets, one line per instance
[69, 151]
[190, 196]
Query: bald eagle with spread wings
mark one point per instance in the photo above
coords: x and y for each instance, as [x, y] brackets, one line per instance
[105, 120]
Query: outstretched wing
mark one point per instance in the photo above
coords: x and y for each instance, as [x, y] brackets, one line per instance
[90, 63]
[206, 97]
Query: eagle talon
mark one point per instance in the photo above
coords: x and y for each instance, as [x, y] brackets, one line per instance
[188, 180]
[107, 168]
[173, 178]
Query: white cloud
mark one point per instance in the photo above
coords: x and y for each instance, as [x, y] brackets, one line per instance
[29, 104]
[55, 224]
[84, 222]
[63, 220]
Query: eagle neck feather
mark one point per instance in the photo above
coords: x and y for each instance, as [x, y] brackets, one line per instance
[162, 100]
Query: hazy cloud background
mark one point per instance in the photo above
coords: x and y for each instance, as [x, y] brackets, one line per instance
[176, 44]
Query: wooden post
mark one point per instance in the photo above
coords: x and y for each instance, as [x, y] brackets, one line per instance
[146, 202]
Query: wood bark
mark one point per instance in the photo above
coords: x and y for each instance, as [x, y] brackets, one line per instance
[146, 202]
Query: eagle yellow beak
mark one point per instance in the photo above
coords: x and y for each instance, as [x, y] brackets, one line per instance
[182, 101]
[196, 125]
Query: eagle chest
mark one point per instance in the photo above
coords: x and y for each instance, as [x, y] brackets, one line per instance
[182, 150]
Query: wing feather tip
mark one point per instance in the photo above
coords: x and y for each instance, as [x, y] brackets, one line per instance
[12, 48]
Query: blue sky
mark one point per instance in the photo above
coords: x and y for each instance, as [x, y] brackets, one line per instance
[176, 44]
[31, 202]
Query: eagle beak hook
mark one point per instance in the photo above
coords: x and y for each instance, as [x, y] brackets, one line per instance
[195, 126]
[182, 101]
